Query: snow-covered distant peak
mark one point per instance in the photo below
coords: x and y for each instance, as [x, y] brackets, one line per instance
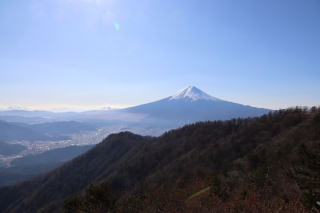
[192, 93]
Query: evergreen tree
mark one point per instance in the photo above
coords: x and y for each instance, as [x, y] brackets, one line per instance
[308, 176]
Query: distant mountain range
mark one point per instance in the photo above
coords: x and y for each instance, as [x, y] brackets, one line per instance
[18, 131]
[11, 131]
[187, 106]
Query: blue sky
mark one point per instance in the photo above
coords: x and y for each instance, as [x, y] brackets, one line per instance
[83, 54]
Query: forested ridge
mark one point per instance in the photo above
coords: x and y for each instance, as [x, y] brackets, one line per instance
[264, 164]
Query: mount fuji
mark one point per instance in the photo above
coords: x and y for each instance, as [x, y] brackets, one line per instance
[187, 106]
[191, 105]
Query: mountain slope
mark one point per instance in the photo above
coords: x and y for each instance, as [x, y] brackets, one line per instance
[62, 128]
[31, 165]
[51, 156]
[239, 151]
[95, 165]
[10, 149]
[45, 131]
[15, 131]
[191, 105]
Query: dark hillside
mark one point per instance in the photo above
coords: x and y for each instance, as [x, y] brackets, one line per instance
[72, 177]
[231, 159]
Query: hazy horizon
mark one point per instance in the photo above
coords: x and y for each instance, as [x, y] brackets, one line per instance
[76, 108]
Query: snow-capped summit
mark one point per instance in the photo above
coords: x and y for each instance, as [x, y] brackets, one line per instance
[192, 93]
[192, 105]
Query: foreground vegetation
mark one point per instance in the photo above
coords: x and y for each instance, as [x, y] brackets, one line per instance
[265, 164]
